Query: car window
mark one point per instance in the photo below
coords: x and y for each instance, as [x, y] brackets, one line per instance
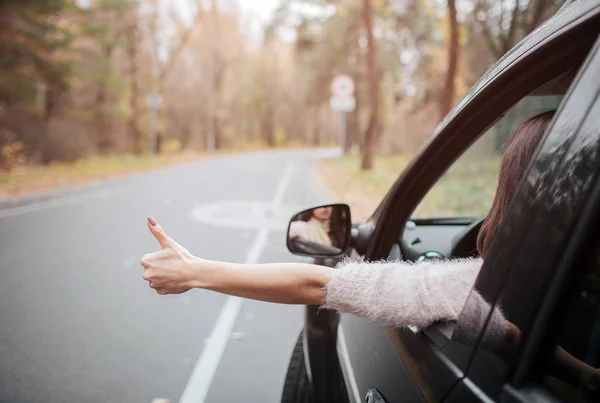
[467, 189]
[571, 370]
[539, 238]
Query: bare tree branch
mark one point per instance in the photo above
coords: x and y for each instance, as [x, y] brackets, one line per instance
[497, 52]
[181, 44]
[538, 11]
[509, 38]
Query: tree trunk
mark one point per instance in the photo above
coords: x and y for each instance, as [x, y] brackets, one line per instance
[373, 79]
[316, 137]
[186, 137]
[43, 146]
[354, 129]
[267, 127]
[134, 88]
[103, 136]
[216, 109]
[349, 140]
[448, 93]
[161, 114]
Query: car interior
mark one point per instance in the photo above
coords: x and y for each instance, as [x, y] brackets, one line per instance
[456, 236]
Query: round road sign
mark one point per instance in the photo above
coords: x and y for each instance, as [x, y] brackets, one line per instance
[342, 85]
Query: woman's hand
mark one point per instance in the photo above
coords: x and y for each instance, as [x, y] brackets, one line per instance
[172, 269]
[298, 230]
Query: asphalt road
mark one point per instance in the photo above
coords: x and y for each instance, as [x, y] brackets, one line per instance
[78, 323]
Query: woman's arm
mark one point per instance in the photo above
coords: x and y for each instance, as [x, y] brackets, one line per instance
[174, 270]
[286, 283]
[401, 293]
[297, 230]
[398, 293]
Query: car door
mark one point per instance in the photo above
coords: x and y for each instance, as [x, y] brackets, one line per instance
[425, 365]
[548, 237]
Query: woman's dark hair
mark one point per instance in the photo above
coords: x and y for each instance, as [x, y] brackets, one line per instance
[518, 154]
[337, 227]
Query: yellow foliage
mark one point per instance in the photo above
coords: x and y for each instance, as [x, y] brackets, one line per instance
[342, 10]
[379, 4]
[171, 146]
[280, 136]
[11, 153]
[463, 33]
[426, 8]
[30, 178]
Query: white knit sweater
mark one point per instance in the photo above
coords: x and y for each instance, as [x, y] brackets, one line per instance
[401, 294]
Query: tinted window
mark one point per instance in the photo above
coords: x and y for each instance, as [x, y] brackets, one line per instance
[571, 370]
[538, 229]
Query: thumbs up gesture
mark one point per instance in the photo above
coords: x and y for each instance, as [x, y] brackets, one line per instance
[171, 270]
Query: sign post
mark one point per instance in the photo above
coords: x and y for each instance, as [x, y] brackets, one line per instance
[154, 101]
[342, 101]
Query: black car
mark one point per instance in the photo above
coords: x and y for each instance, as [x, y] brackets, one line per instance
[543, 268]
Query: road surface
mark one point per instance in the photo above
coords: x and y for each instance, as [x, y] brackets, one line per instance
[78, 323]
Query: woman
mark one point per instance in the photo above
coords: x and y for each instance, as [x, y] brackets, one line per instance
[322, 226]
[313, 226]
[396, 293]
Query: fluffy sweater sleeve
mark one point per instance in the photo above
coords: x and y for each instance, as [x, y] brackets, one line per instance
[401, 294]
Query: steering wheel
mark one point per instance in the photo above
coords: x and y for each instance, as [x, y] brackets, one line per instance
[465, 244]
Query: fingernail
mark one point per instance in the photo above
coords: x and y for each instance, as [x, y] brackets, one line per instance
[151, 220]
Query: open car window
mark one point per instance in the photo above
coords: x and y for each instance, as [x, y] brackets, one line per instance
[538, 242]
[467, 189]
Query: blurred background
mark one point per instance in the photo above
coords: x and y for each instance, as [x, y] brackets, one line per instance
[261, 109]
[96, 80]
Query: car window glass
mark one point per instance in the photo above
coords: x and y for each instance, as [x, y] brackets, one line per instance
[542, 226]
[467, 189]
[571, 371]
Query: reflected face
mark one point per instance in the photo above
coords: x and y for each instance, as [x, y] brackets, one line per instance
[322, 213]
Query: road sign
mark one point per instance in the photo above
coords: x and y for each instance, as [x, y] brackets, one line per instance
[342, 103]
[342, 85]
[154, 100]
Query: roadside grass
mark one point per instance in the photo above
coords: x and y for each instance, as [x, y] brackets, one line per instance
[32, 178]
[467, 189]
[363, 191]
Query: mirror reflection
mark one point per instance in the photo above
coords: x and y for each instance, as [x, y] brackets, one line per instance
[320, 231]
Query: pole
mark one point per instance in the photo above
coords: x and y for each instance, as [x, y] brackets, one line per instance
[153, 131]
[210, 131]
[343, 130]
[211, 141]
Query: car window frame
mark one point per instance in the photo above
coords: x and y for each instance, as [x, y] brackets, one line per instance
[567, 275]
[496, 280]
[525, 383]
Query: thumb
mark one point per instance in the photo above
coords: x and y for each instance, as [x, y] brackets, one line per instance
[160, 235]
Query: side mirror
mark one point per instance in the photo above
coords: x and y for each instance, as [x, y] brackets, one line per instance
[322, 231]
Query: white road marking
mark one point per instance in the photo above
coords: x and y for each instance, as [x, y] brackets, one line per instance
[197, 387]
[283, 184]
[202, 375]
[53, 203]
